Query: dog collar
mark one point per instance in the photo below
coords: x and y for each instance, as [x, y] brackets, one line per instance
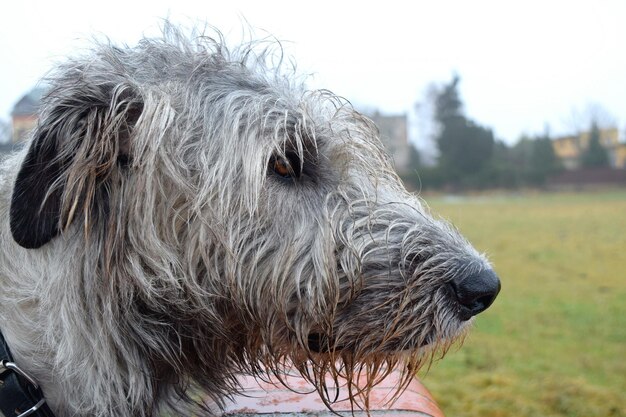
[20, 395]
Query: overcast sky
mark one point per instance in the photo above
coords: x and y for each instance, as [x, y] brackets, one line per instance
[523, 64]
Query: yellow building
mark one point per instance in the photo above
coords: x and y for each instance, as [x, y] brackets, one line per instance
[619, 156]
[569, 149]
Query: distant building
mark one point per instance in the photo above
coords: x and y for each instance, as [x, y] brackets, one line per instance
[25, 113]
[394, 135]
[569, 149]
[618, 156]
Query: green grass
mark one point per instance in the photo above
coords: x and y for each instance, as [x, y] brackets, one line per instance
[554, 342]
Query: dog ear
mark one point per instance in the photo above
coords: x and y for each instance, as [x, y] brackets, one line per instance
[82, 137]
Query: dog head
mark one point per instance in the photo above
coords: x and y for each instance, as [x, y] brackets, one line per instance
[236, 222]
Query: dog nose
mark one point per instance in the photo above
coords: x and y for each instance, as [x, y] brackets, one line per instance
[475, 293]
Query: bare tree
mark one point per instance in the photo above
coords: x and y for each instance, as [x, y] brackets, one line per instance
[579, 120]
[425, 127]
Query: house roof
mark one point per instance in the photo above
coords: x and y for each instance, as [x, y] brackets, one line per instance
[29, 104]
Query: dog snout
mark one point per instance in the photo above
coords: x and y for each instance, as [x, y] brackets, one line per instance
[475, 293]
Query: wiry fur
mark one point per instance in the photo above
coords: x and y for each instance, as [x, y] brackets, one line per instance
[175, 259]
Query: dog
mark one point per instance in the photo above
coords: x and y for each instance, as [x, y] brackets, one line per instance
[185, 213]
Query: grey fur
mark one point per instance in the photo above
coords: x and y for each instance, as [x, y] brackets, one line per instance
[178, 259]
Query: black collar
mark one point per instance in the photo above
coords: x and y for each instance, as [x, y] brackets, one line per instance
[20, 395]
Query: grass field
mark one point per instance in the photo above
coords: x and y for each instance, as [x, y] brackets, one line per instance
[554, 342]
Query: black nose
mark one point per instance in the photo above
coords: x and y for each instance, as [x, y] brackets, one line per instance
[475, 293]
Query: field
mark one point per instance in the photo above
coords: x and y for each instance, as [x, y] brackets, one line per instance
[554, 342]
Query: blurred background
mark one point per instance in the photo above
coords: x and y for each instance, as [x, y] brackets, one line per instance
[509, 119]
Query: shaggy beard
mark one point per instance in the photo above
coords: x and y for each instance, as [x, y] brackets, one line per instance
[339, 374]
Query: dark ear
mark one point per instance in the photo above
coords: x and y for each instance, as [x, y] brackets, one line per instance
[83, 135]
[36, 203]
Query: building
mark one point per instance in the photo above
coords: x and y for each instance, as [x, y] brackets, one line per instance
[618, 156]
[569, 149]
[394, 135]
[25, 113]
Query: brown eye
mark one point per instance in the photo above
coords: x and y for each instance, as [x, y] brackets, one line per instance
[287, 166]
[281, 167]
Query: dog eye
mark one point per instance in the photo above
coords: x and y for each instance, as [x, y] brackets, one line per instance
[281, 167]
[287, 166]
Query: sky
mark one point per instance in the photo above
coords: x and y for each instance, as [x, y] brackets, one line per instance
[525, 66]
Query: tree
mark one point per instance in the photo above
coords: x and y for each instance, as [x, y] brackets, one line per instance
[465, 147]
[502, 171]
[592, 113]
[543, 162]
[595, 155]
[448, 104]
[415, 158]
[533, 160]
[425, 126]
